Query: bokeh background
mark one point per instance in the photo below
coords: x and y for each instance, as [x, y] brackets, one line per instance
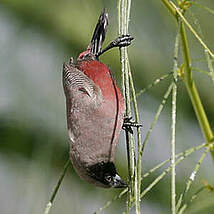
[36, 37]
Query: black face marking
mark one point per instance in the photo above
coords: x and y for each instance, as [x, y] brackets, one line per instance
[103, 172]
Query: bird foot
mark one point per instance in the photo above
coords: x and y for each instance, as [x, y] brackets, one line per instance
[128, 124]
[121, 41]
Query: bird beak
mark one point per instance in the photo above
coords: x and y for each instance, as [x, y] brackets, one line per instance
[99, 34]
[117, 182]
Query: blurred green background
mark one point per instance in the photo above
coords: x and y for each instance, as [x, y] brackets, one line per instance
[36, 37]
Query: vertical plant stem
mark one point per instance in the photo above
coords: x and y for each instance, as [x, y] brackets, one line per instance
[124, 11]
[174, 95]
[138, 167]
[173, 173]
[193, 92]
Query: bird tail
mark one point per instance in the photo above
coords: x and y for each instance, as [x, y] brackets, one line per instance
[99, 33]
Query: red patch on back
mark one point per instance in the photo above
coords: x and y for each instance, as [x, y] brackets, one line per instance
[101, 75]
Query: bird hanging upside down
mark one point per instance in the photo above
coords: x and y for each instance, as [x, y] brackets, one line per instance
[95, 111]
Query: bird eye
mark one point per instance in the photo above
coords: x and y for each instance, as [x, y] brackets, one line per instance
[108, 178]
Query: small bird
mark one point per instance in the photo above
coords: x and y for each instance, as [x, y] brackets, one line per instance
[95, 111]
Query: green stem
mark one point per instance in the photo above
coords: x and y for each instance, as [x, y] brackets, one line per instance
[138, 167]
[50, 203]
[108, 203]
[189, 182]
[180, 14]
[183, 154]
[155, 82]
[166, 171]
[170, 7]
[189, 82]
[154, 121]
[193, 92]
[124, 11]
[173, 125]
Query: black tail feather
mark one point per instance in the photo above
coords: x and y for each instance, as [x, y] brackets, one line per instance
[99, 33]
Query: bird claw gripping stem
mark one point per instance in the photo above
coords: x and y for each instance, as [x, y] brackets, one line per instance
[121, 41]
[128, 124]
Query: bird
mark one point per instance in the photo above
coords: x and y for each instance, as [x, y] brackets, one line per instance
[95, 110]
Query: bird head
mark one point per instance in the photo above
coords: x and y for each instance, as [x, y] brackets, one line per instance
[105, 175]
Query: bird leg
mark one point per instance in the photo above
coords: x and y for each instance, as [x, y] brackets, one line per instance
[121, 41]
[128, 124]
